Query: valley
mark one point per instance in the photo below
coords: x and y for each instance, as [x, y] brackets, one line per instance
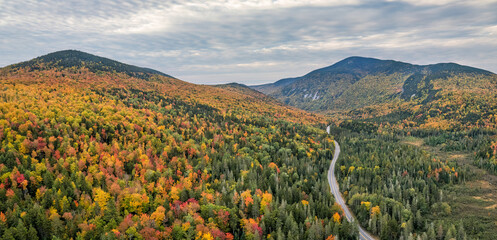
[248, 120]
[92, 147]
[443, 112]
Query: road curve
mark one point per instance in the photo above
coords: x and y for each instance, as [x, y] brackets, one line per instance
[332, 181]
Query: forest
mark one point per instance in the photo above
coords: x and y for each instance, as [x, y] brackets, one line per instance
[403, 191]
[112, 152]
[83, 161]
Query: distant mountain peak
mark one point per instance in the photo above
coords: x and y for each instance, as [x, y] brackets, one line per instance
[358, 59]
[356, 82]
[234, 84]
[69, 53]
[364, 65]
[76, 58]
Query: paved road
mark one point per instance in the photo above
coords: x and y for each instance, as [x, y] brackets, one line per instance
[363, 235]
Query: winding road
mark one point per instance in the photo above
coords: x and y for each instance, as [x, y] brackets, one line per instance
[332, 181]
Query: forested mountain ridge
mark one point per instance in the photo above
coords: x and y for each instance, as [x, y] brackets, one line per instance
[78, 59]
[81, 69]
[103, 154]
[246, 90]
[367, 87]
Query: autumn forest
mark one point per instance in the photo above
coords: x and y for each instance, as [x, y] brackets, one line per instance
[96, 149]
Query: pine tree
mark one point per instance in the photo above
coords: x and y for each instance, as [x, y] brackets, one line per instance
[374, 224]
[7, 235]
[22, 231]
[424, 236]
[32, 234]
[440, 232]
[451, 233]
[431, 232]
[110, 212]
[418, 223]
[461, 233]
[280, 235]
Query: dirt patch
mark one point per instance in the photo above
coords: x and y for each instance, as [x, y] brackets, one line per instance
[418, 142]
[492, 206]
[482, 184]
[458, 156]
[461, 158]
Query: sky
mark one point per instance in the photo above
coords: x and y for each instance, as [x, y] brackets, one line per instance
[251, 42]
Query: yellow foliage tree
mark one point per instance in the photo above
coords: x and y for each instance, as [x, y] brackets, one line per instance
[366, 204]
[267, 198]
[204, 236]
[159, 215]
[101, 197]
[135, 203]
[247, 197]
[375, 211]
[174, 194]
[336, 217]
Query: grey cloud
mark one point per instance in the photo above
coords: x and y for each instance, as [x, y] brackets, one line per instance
[251, 41]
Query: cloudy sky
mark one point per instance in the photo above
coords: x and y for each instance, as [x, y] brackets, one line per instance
[251, 41]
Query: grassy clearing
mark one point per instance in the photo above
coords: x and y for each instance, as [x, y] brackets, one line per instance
[474, 202]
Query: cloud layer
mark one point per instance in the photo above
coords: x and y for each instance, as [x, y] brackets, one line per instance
[252, 41]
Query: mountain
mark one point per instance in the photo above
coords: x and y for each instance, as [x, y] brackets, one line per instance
[352, 68]
[368, 87]
[389, 113]
[272, 87]
[78, 59]
[248, 91]
[102, 74]
[96, 149]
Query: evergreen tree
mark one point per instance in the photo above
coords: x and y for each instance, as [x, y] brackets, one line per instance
[22, 231]
[280, 235]
[110, 212]
[451, 233]
[431, 232]
[461, 233]
[440, 232]
[7, 234]
[32, 234]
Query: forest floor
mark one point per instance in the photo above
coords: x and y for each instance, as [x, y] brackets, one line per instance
[475, 201]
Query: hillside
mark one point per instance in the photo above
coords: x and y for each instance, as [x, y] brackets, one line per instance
[78, 59]
[80, 69]
[366, 87]
[99, 153]
[397, 119]
[274, 87]
[248, 91]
